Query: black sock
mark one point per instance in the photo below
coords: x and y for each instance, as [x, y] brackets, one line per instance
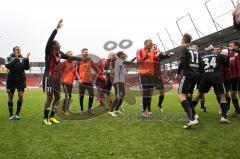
[149, 99]
[46, 112]
[186, 106]
[228, 103]
[19, 106]
[81, 102]
[223, 105]
[52, 114]
[90, 102]
[64, 105]
[10, 108]
[160, 101]
[191, 105]
[145, 103]
[236, 105]
[202, 101]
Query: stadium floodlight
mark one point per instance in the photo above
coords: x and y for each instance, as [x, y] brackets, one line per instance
[192, 22]
[170, 37]
[161, 42]
[216, 25]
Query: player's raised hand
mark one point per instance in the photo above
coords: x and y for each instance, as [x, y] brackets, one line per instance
[60, 24]
[27, 56]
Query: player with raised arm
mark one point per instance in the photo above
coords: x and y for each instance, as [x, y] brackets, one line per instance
[51, 78]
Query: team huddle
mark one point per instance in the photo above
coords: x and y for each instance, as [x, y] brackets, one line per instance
[217, 67]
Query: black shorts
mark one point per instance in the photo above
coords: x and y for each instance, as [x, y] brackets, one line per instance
[86, 86]
[12, 85]
[235, 84]
[227, 85]
[51, 85]
[119, 89]
[206, 85]
[158, 83]
[187, 84]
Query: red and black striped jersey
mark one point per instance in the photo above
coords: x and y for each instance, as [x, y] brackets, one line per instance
[234, 65]
[52, 58]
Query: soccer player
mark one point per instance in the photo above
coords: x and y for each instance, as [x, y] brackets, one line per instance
[51, 78]
[213, 62]
[235, 75]
[158, 83]
[16, 79]
[190, 94]
[225, 74]
[101, 83]
[68, 69]
[108, 69]
[189, 65]
[145, 59]
[118, 82]
[85, 79]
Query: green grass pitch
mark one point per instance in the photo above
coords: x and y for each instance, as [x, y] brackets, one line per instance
[105, 137]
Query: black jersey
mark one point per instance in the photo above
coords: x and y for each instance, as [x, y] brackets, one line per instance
[212, 65]
[189, 62]
[17, 67]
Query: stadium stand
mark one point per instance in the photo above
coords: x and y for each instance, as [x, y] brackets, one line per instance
[34, 80]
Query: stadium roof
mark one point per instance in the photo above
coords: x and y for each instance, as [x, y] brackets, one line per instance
[221, 37]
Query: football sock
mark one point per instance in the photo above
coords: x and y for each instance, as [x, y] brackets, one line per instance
[186, 106]
[236, 105]
[191, 105]
[46, 112]
[53, 112]
[202, 101]
[145, 103]
[81, 102]
[19, 106]
[10, 108]
[228, 103]
[223, 105]
[160, 101]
